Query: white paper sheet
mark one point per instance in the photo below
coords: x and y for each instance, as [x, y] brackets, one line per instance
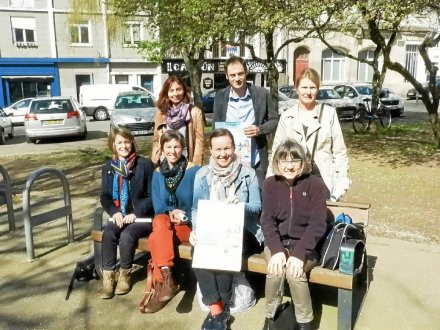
[219, 235]
[136, 220]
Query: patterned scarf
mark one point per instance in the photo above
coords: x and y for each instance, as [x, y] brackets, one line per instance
[178, 115]
[222, 179]
[122, 170]
[173, 176]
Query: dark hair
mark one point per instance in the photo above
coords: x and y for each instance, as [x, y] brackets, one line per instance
[163, 101]
[235, 59]
[125, 133]
[308, 73]
[172, 135]
[294, 150]
[218, 133]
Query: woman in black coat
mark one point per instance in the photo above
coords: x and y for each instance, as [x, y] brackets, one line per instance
[125, 196]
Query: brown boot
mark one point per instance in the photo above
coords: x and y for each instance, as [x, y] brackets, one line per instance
[108, 284]
[124, 282]
[168, 288]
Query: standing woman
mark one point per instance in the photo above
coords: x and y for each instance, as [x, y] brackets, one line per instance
[125, 196]
[173, 183]
[178, 114]
[316, 127]
[293, 221]
[225, 179]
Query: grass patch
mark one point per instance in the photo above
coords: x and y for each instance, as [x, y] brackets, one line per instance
[402, 144]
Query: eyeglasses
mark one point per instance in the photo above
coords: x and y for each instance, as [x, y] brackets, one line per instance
[294, 162]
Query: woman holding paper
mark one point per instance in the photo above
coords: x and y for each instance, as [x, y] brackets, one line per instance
[125, 196]
[225, 179]
[173, 183]
[175, 112]
[293, 221]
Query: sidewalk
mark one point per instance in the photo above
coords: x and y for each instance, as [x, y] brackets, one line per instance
[403, 293]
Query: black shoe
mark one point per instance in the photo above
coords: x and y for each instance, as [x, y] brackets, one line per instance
[207, 323]
[220, 322]
[305, 326]
[268, 324]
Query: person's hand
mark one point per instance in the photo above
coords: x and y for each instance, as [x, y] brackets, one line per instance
[295, 267]
[232, 200]
[251, 131]
[175, 216]
[192, 238]
[118, 219]
[277, 263]
[129, 218]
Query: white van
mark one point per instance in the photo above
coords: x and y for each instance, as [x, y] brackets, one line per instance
[97, 100]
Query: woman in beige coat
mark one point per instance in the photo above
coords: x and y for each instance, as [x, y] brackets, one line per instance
[175, 112]
[309, 121]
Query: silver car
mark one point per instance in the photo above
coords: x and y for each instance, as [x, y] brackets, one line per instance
[284, 102]
[135, 111]
[6, 128]
[54, 117]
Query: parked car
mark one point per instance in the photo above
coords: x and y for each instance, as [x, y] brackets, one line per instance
[344, 107]
[54, 117]
[284, 102]
[98, 100]
[6, 128]
[208, 101]
[413, 94]
[17, 110]
[360, 91]
[135, 111]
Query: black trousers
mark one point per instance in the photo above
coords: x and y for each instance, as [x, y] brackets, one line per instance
[216, 285]
[127, 238]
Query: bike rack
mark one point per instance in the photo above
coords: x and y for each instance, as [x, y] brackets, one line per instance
[7, 189]
[33, 221]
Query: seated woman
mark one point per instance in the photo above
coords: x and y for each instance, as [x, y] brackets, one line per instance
[293, 221]
[125, 196]
[173, 183]
[225, 179]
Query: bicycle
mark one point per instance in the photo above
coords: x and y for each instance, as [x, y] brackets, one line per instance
[364, 116]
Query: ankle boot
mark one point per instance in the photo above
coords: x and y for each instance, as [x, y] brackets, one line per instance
[108, 284]
[168, 289]
[124, 283]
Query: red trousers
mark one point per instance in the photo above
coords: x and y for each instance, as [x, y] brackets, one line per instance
[161, 242]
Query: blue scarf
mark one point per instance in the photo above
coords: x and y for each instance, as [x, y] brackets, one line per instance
[121, 193]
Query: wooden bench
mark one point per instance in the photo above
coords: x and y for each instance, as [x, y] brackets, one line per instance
[355, 266]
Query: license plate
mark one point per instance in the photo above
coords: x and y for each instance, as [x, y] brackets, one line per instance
[140, 132]
[52, 122]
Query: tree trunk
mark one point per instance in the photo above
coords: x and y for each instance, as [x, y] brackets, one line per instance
[194, 66]
[272, 70]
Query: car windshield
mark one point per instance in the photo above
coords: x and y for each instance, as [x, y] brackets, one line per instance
[134, 101]
[51, 106]
[364, 90]
[325, 94]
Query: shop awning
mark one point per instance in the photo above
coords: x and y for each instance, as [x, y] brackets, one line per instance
[27, 77]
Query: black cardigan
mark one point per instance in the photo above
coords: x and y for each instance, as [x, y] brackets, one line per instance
[139, 185]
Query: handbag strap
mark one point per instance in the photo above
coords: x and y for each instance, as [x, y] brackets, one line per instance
[316, 135]
[149, 290]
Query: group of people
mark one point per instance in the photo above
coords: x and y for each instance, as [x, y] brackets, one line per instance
[284, 198]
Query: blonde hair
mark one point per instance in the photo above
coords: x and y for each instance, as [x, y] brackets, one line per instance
[308, 73]
[294, 150]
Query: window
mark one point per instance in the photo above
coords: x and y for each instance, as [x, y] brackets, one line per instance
[23, 30]
[365, 71]
[121, 79]
[133, 33]
[21, 3]
[80, 33]
[411, 54]
[333, 66]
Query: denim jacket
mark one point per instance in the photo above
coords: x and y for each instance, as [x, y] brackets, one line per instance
[247, 191]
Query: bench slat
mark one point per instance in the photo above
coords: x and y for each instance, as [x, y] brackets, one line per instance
[257, 264]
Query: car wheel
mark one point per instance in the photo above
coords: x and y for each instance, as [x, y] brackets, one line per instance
[31, 140]
[11, 135]
[101, 114]
[2, 137]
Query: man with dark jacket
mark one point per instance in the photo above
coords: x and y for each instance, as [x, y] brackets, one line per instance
[251, 106]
